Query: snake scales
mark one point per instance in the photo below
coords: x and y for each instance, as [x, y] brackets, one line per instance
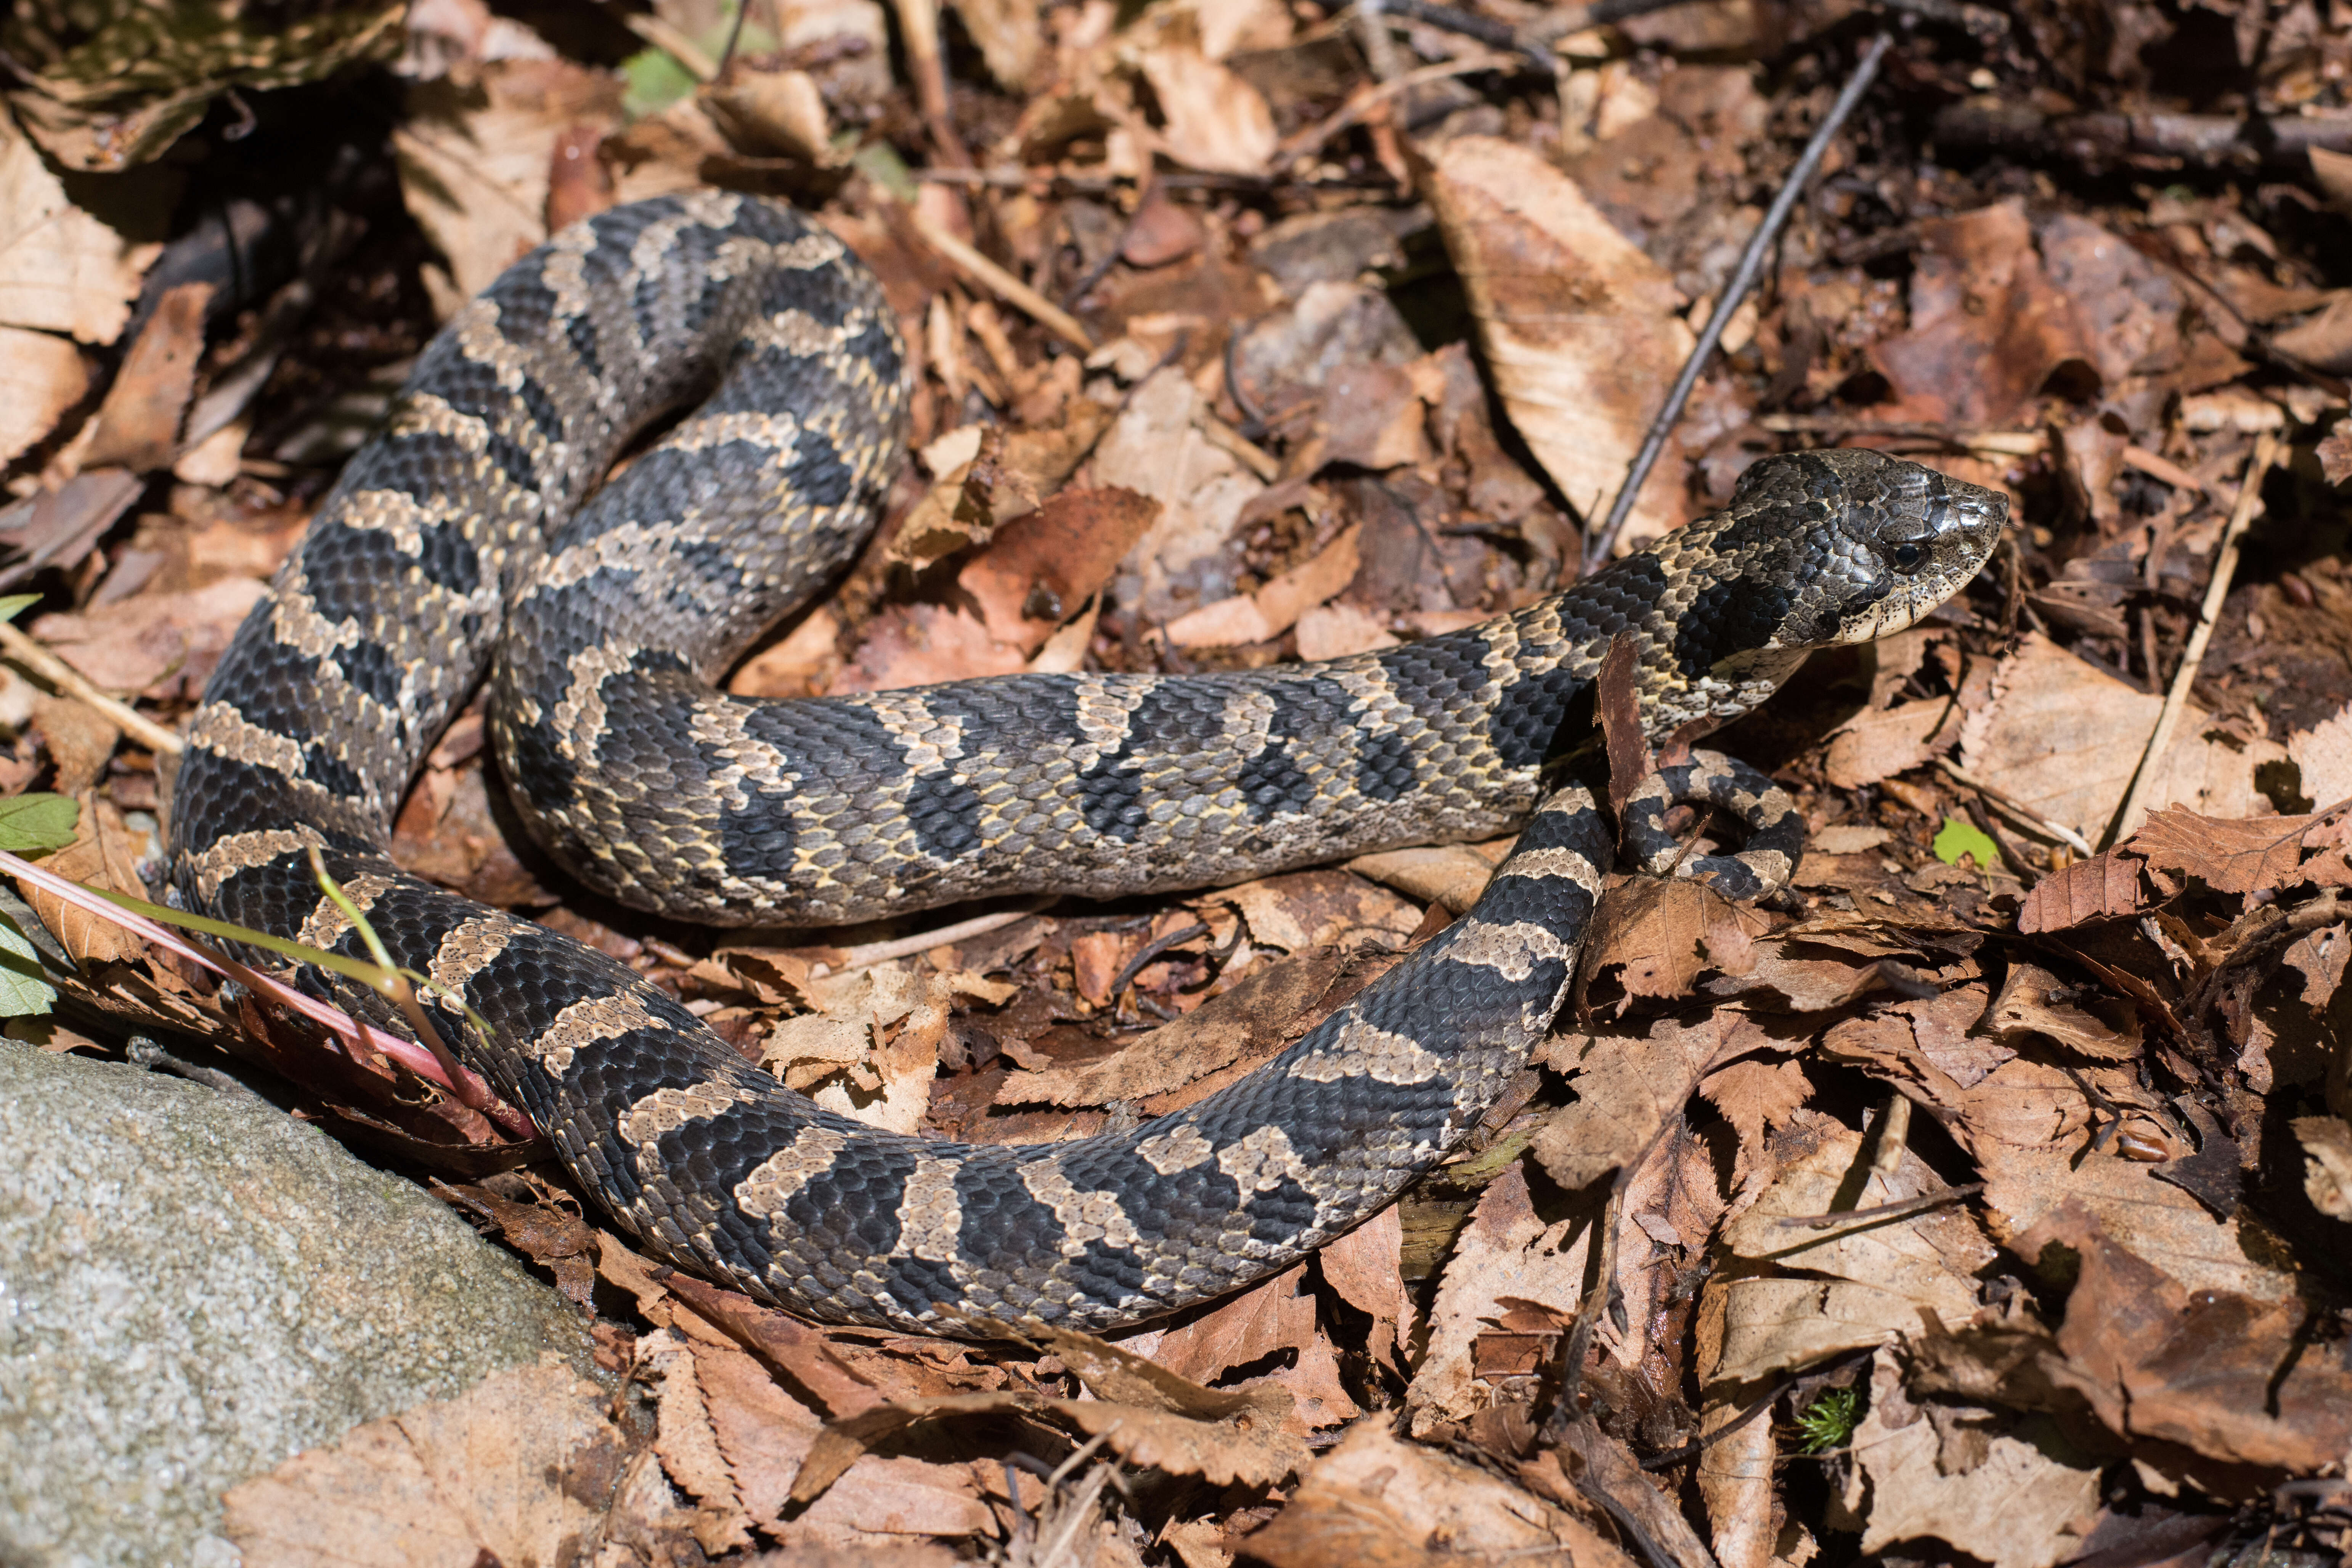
[471, 533]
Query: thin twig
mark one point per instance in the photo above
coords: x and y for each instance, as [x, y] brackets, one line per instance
[1899, 1209]
[1153, 950]
[874, 952]
[918, 28]
[66, 679]
[2225, 568]
[1309, 140]
[1003, 284]
[1752, 264]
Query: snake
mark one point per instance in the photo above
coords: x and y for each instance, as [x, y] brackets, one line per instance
[483, 535]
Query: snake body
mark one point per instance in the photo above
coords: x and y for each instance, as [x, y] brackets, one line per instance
[471, 533]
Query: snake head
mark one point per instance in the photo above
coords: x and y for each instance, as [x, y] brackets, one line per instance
[1854, 544]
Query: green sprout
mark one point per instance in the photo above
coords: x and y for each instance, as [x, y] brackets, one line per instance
[1829, 1422]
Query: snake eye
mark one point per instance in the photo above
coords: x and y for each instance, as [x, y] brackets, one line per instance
[1906, 556]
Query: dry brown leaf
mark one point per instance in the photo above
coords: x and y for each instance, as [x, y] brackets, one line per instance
[2155, 1220]
[688, 1446]
[1274, 608]
[1377, 1502]
[139, 422]
[2324, 755]
[1755, 1097]
[1156, 447]
[2327, 1163]
[79, 740]
[100, 856]
[2095, 1027]
[1215, 119]
[2063, 739]
[871, 1050]
[41, 376]
[1300, 910]
[2335, 453]
[846, 1378]
[1266, 1010]
[2105, 887]
[62, 267]
[139, 644]
[1580, 327]
[1038, 569]
[1506, 1251]
[1627, 1088]
[516, 1468]
[1273, 1316]
[1878, 745]
[1841, 1286]
[1364, 1267]
[1988, 330]
[2232, 1378]
[1449, 874]
[2228, 855]
[476, 155]
[2012, 1508]
[921, 644]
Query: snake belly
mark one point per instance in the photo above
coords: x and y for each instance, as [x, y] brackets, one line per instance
[466, 535]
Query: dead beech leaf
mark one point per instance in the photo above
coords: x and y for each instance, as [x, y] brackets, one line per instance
[516, 1470]
[2097, 1027]
[139, 644]
[2242, 856]
[99, 856]
[2105, 887]
[2324, 755]
[2063, 739]
[922, 645]
[1580, 327]
[1505, 1250]
[1988, 330]
[2233, 1378]
[1215, 121]
[139, 422]
[842, 1376]
[1876, 746]
[2011, 1507]
[688, 1446]
[1364, 1266]
[1627, 1088]
[1273, 1316]
[1378, 1501]
[476, 157]
[1839, 1288]
[2155, 1220]
[41, 376]
[63, 269]
[1037, 570]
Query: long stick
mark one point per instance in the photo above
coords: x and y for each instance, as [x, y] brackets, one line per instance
[2225, 567]
[1752, 263]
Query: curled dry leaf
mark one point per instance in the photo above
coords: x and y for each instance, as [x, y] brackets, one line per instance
[1275, 1315]
[2090, 1024]
[2105, 887]
[1144, 1412]
[1274, 608]
[99, 856]
[1039, 568]
[1377, 1502]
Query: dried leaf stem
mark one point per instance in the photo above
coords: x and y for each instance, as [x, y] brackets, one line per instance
[1003, 284]
[1752, 264]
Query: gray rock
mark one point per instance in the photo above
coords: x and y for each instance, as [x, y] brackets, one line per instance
[193, 1287]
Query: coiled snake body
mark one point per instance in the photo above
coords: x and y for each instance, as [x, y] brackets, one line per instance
[457, 538]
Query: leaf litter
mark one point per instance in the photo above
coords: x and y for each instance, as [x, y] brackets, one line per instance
[1248, 331]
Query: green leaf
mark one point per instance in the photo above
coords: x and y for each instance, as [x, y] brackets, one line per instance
[36, 824]
[656, 80]
[25, 991]
[14, 604]
[1959, 838]
[879, 161]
